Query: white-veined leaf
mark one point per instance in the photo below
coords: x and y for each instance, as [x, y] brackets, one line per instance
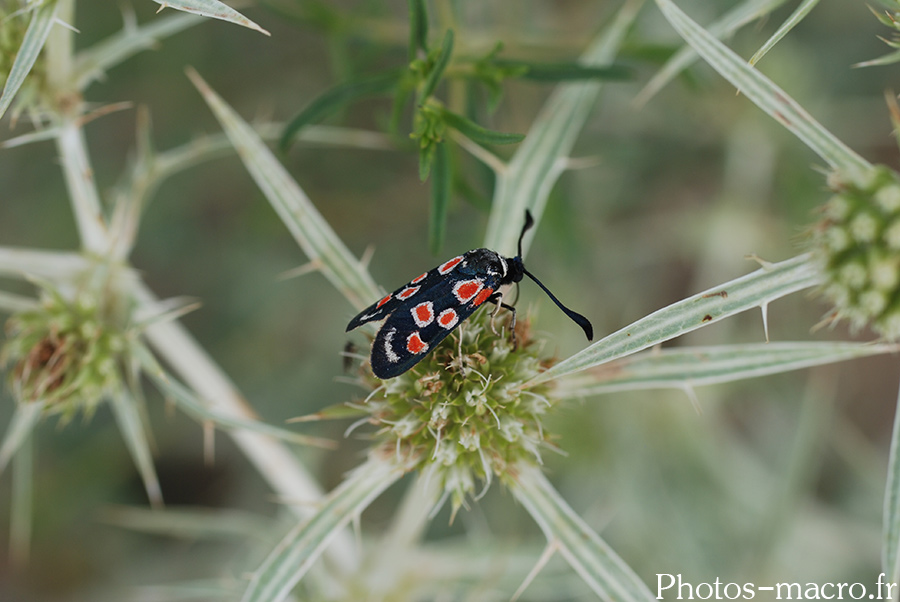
[591, 557]
[756, 289]
[540, 159]
[293, 556]
[766, 95]
[321, 245]
[698, 366]
[212, 9]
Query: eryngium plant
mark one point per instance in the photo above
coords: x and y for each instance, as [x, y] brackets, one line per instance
[68, 352]
[462, 412]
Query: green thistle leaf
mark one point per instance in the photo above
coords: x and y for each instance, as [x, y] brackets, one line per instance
[438, 66]
[335, 99]
[477, 133]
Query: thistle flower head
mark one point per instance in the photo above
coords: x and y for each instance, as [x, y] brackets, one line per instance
[858, 245]
[68, 352]
[461, 411]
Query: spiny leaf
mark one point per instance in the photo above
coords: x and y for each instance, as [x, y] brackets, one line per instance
[314, 235]
[753, 290]
[765, 94]
[295, 554]
[591, 557]
[798, 15]
[132, 426]
[212, 9]
[699, 366]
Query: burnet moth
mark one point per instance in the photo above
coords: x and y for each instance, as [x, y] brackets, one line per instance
[421, 313]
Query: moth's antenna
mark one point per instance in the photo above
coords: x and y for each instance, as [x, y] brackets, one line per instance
[529, 222]
[574, 316]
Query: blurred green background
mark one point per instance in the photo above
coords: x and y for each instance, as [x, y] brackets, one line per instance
[779, 478]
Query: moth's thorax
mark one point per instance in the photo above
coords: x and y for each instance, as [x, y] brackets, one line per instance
[484, 262]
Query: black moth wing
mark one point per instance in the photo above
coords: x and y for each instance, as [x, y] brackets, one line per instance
[390, 303]
[408, 335]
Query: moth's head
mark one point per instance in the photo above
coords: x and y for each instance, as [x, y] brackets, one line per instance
[515, 270]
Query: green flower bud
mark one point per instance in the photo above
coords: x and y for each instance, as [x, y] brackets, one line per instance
[858, 246]
[66, 354]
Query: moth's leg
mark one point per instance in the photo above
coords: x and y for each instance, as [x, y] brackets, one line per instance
[497, 299]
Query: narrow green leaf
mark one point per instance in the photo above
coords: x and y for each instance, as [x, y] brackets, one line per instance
[322, 246]
[563, 71]
[766, 95]
[441, 183]
[699, 366]
[798, 15]
[477, 133]
[731, 21]
[93, 62]
[426, 159]
[418, 28]
[293, 556]
[890, 546]
[335, 99]
[437, 69]
[591, 557]
[756, 289]
[24, 419]
[212, 9]
[133, 431]
[538, 162]
[32, 43]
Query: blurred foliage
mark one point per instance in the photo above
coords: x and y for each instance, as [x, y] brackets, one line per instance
[780, 476]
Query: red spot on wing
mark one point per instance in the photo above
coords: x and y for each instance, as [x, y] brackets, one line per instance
[408, 292]
[466, 290]
[419, 279]
[423, 313]
[449, 265]
[448, 319]
[383, 301]
[483, 296]
[415, 344]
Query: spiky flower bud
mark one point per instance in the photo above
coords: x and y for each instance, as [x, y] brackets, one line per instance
[461, 411]
[67, 352]
[858, 244]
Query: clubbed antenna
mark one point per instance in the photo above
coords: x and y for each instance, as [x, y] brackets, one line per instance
[529, 222]
[574, 316]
